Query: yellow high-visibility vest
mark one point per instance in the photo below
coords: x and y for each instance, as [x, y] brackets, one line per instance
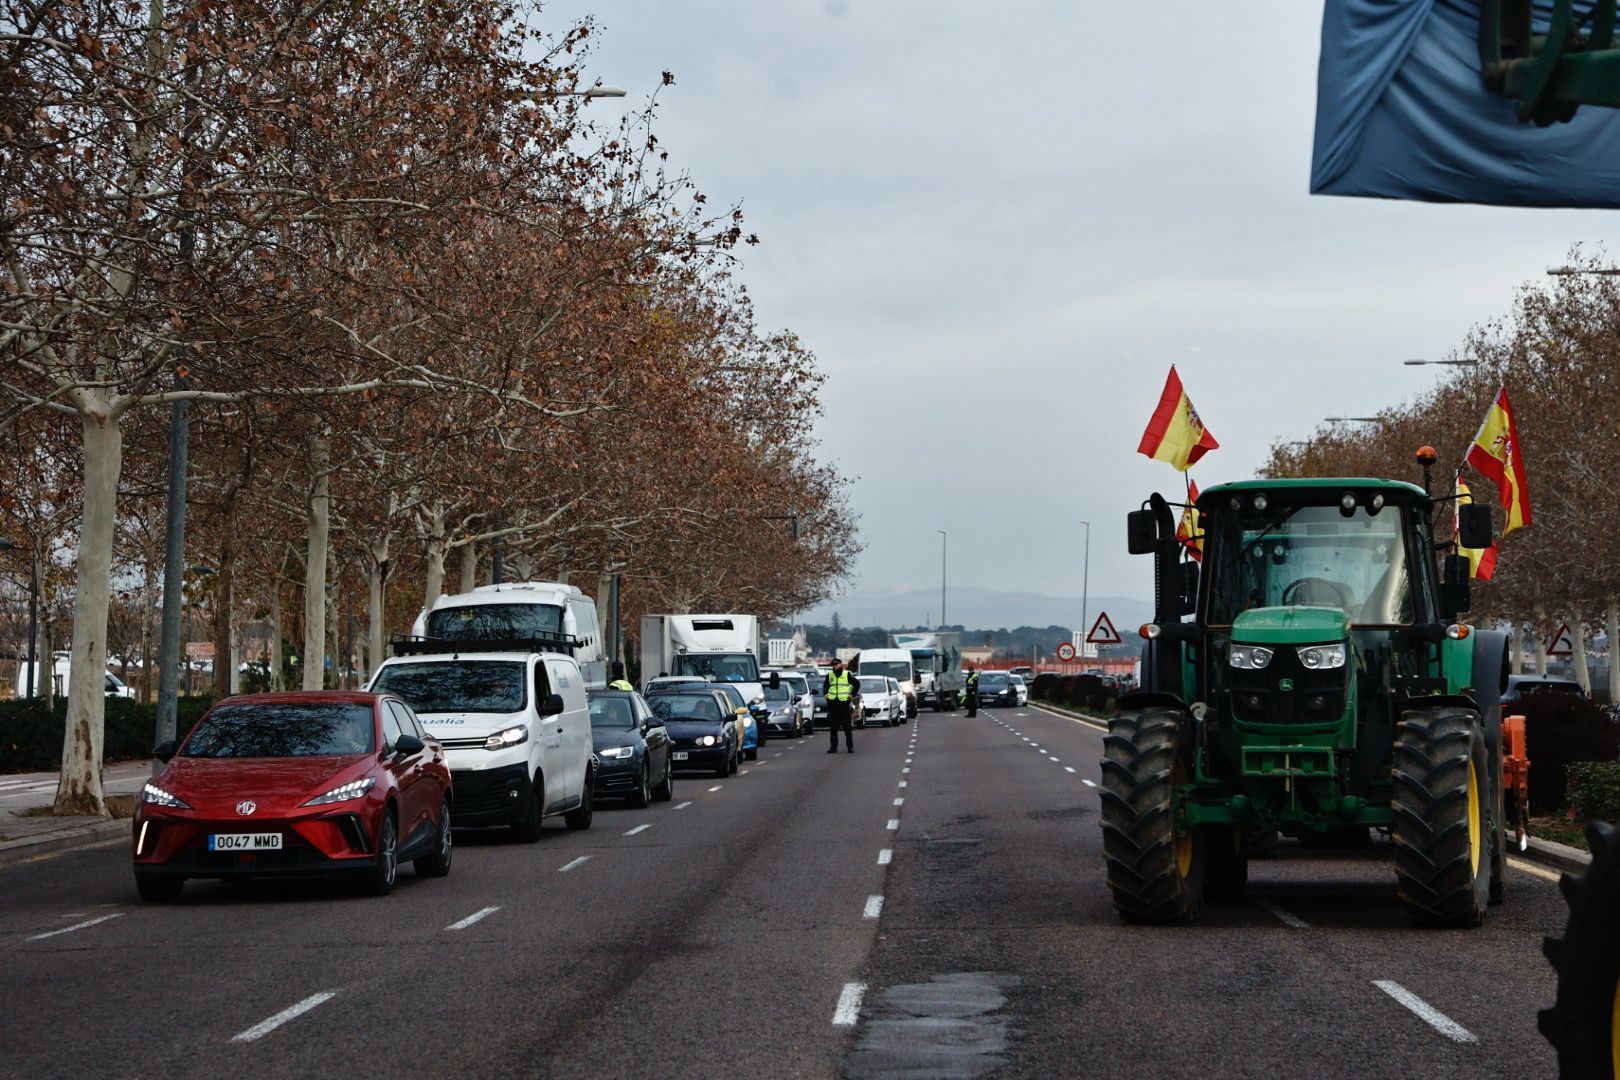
[838, 686]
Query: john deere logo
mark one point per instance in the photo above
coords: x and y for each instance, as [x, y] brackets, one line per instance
[1285, 685]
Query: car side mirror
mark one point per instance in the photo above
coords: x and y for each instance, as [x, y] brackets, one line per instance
[1141, 532]
[552, 705]
[776, 680]
[164, 750]
[406, 745]
[1454, 586]
[1474, 526]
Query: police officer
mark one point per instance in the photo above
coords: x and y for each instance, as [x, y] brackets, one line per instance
[972, 692]
[843, 690]
[619, 681]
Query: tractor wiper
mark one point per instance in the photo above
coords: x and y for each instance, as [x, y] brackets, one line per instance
[1266, 532]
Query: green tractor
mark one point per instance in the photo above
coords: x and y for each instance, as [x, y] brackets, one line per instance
[1322, 687]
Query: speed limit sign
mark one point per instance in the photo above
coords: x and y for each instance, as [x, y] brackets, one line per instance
[1065, 651]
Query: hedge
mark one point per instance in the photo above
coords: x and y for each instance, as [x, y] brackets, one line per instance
[1594, 790]
[1086, 692]
[1562, 730]
[31, 738]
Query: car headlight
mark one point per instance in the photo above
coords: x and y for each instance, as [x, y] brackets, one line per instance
[1248, 657]
[344, 792]
[151, 793]
[615, 752]
[512, 736]
[748, 721]
[707, 740]
[1322, 657]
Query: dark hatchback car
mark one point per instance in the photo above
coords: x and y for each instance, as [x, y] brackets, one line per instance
[295, 784]
[702, 729]
[1522, 686]
[632, 749]
[818, 695]
[996, 688]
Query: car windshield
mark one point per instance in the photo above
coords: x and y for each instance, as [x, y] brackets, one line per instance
[1017, 680]
[1310, 555]
[495, 622]
[733, 694]
[720, 667]
[779, 693]
[818, 684]
[441, 686]
[612, 712]
[685, 707]
[283, 730]
[993, 679]
[797, 685]
[899, 670]
[923, 663]
[1549, 688]
[873, 685]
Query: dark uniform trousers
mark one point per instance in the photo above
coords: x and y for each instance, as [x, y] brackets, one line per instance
[841, 717]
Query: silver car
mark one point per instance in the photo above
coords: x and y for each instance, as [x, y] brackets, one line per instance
[881, 700]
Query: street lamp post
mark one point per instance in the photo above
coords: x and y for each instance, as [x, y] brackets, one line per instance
[944, 540]
[1085, 591]
[174, 572]
[1441, 363]
[33, 613]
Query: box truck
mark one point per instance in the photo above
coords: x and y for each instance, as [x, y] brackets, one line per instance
[720, 648]
[936, 659]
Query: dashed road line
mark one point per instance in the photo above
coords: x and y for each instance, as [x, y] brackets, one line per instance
[1287, 917]
[906, 770]
[900, 802]
[76, 926]
[902, 783]
[849, 1005]
[886, 856]
[894, 823]
[462, 924]
[682, 806]
[292, 1012]
[1088, 783]
[1068, 768]
[874, 907]
[1436, 1019]
[742, 772]
[717, 787]
[638, 828]
[581, 861]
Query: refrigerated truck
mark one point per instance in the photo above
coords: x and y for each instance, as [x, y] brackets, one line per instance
[936, 658]
[720, 648]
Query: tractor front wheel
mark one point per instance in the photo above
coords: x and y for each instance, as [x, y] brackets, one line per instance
[1584, 1022]
[1155, 871]
[1442, 808]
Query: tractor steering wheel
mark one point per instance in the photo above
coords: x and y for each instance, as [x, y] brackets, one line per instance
[1318, 591]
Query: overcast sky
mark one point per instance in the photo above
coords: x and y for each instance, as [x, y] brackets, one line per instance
[998, 225]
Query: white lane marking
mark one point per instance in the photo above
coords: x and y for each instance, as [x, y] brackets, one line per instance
[638, 828]
[682, 806]
[1068, 768]
[717, 787]
[1531, 868]
[1088, 783]
[902, 783]
[899, 802]
[484, 913]
[1054, 757]
[1287, 917]
[894, 823]
[744, 772]
[874, 907]
[76, 926]
[1036, 745]
[849, 1005]
[265, 1027]
[582, 860]
[906, 770]
[1436, 1019]
[777, 754]
[886, 856]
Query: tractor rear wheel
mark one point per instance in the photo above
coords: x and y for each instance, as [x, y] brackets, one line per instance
[1442, 808]
[1155, 871]
[1584, 1022]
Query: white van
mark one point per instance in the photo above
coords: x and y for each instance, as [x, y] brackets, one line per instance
[61, 666]
[521, 610]
[516, 732]
[893, 664]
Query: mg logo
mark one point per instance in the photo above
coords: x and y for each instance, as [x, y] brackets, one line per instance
[246, 807]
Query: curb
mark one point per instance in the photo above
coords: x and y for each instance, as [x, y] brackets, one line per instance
[79, 836]
[1071, 714]
[1558, 856]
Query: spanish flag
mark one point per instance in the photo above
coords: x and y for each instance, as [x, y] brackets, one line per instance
[1496, 454]
[1187, 530]
[1481, 561]
[1176, 434]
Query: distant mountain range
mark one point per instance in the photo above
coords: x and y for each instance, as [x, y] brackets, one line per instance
[974, 608]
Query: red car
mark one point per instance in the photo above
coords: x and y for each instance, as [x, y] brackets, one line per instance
[296, 784]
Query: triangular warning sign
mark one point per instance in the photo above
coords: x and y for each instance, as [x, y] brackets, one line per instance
[1561, 644]
[1103, 632]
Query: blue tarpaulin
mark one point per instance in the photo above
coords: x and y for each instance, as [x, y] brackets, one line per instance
[1402, 113]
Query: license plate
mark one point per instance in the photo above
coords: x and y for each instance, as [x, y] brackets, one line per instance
[679, 755]
[244, 841]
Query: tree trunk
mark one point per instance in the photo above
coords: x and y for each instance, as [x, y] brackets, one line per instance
[435, 560]
[335, 647]
[275, 633]
[238, 649]
[45, 676]
[1577, 637]
[469, 566]
[320, 528]
[1516, 648]
[224, 657]
[1612, 629]
[376, 602]
[1541, 645]
[79, 789]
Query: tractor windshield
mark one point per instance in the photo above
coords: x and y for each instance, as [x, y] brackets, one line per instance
[1311, 555]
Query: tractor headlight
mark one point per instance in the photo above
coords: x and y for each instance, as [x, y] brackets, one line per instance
[1322, 657]
[1248, 657]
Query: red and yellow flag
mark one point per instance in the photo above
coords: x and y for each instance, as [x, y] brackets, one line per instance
[1496, 454]
[1187, 530]
[1176, 434]
[1481, 561]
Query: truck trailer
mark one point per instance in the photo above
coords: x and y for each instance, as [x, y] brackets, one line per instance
[937, 661]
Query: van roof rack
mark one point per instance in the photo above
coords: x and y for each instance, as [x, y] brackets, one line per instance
[417, 644]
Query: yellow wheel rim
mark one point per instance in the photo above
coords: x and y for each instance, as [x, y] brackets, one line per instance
[1473, 818]
[1184, 844]
[1614, 1032]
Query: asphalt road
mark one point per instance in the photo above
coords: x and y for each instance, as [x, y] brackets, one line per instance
[932, 906]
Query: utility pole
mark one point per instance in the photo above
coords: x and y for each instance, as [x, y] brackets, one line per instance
[943, 540]
[1085, 594]
[174, 578]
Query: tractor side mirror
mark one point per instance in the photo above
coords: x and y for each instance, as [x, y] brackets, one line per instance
[1141, 532]
[1454, 586]
[776, 680]
[1474, 527]
[1189, 587]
